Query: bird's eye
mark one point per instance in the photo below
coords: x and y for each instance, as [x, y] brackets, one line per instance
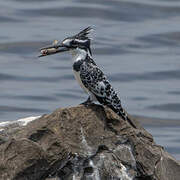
[73, 42]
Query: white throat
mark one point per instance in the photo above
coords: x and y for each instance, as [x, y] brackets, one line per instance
[78, 54]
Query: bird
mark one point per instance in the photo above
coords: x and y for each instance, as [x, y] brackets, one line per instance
[87, 73]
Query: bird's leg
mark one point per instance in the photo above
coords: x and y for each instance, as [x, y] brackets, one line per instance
[89, 101]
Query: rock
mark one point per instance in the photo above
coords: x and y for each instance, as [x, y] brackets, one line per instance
[83, 143]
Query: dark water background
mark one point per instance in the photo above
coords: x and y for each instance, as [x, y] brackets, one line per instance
[136, 42]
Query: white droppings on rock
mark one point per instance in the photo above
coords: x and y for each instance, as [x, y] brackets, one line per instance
[25, 121]
[123, 173]
[95, 175]
[3, 124]
[87, 148]
[20, 122]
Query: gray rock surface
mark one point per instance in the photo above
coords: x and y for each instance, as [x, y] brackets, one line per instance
[83, 143]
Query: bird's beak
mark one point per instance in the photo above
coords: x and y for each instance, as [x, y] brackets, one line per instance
[53, 49]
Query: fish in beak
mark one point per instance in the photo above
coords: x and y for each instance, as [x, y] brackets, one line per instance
[53, 49]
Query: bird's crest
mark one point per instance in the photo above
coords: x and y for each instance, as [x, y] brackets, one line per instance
[84, 33]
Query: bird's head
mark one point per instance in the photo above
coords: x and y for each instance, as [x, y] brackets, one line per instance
[78, 42]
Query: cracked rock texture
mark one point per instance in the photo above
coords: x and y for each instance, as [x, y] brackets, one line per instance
[83, 143]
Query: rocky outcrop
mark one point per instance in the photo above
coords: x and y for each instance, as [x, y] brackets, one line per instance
[83, 143]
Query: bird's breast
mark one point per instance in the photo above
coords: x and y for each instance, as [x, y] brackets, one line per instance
[78, 78]
[77, 64]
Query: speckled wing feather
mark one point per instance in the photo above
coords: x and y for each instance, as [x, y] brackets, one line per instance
[96, 82]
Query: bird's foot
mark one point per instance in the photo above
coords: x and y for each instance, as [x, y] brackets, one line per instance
[87, 102]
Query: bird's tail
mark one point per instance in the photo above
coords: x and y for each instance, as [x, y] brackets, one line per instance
[122, 113]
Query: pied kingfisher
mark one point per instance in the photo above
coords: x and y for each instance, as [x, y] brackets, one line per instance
[89, 76]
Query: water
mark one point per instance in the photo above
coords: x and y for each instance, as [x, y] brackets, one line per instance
[136, 43]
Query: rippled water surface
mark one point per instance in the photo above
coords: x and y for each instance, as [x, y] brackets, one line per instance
[136, 43]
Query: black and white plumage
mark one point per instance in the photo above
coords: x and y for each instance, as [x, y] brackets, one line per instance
[97, 85]
[88, 74]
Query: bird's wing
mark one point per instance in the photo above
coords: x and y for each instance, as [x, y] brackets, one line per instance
[96, 82]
